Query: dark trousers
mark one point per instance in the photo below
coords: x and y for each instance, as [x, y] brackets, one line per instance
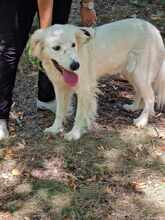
[16, 18]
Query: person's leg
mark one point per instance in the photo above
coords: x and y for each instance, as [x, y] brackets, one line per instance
[8, 60]
[46, 95]
[61, 11]
[14, 29]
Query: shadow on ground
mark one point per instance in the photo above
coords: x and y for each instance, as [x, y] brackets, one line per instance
[114, 174]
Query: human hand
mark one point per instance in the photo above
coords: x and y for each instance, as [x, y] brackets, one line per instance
[88, 17]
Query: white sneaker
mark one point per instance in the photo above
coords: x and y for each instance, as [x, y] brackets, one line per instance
[50, 106]
[4, 133]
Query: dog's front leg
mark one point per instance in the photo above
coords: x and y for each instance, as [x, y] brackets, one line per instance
[86, 112]
[63, 96]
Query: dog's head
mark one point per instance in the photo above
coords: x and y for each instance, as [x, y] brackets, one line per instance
[60, 44]
[36, 43]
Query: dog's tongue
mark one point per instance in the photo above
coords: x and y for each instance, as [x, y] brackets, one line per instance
[70, 78]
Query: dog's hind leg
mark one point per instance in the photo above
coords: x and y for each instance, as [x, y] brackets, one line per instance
[137, 103]
[147, 94]
[130, 70]
[63, 96]
[140, 70]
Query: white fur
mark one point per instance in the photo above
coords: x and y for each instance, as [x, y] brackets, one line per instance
[132, 47]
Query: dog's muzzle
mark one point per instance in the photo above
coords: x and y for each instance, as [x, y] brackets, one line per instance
[70, 78]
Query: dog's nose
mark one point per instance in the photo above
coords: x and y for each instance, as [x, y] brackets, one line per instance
[74, 66]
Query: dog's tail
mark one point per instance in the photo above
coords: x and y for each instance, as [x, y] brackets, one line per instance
[160, 85]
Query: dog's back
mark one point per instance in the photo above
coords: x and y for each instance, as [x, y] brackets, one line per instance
[115, 40]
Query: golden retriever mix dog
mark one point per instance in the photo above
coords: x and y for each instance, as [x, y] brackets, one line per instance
[75, 58]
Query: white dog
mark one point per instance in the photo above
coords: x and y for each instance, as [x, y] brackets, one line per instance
[75, 58]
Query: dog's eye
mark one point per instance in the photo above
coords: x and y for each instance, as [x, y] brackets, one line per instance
[56, 48]
[73, 44]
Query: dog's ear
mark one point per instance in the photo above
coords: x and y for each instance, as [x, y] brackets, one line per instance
[84, 34]
[36, 43]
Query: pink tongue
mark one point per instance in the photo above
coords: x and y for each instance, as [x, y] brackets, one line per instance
[70, 78]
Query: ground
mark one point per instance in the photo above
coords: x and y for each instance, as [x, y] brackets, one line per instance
[116, 172]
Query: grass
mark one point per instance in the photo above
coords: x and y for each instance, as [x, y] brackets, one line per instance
[92, 175]
[52, 187]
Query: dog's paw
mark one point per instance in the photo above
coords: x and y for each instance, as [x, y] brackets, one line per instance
[74, 134]
[53, 130]
[140, 122]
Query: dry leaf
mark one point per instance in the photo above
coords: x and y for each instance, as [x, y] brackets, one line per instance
[162, 148]
[8, 153]
[92, 179]
[16, 172]
[138, 186]
[5, 216]
[72, 182]
[108, 189]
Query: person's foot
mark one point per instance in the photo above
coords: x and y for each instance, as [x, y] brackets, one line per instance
[50, 106]
[4, 133]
